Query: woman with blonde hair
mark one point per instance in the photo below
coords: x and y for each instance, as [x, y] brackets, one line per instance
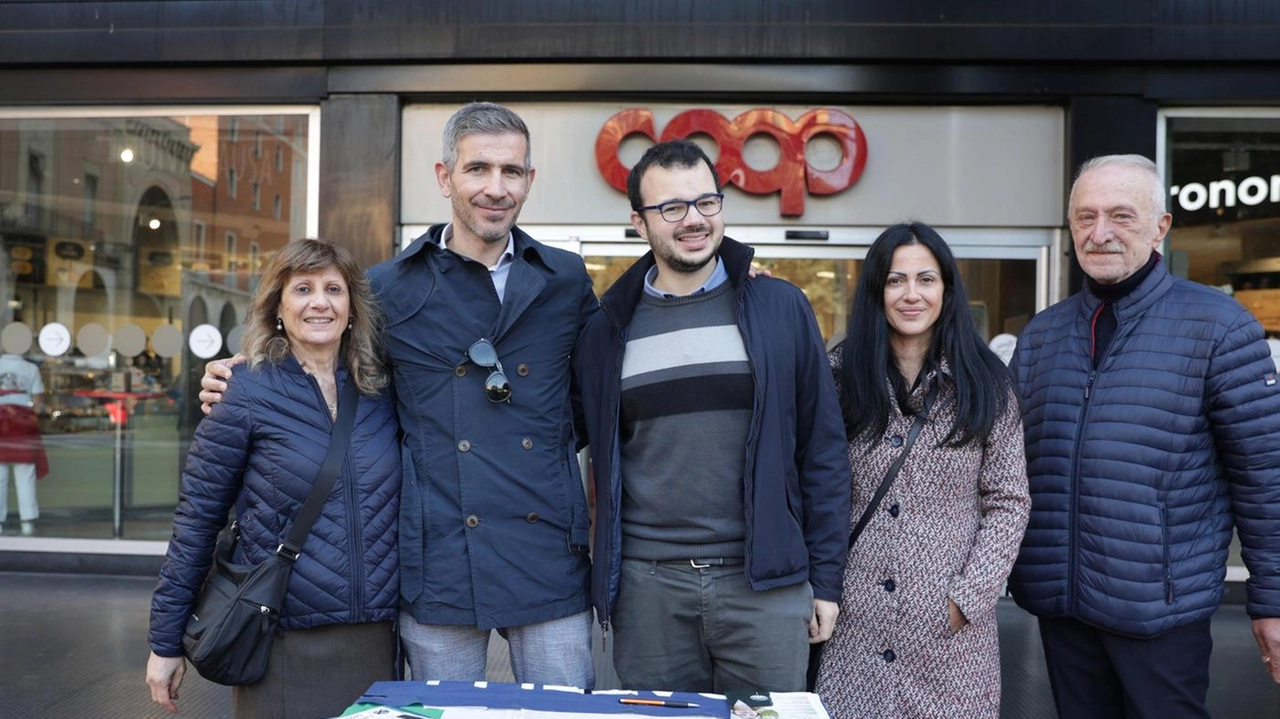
[313, 328]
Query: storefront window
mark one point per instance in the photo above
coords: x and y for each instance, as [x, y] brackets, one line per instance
[1224, 194]
[1000, 298]
[1223, 173]
[106, 267]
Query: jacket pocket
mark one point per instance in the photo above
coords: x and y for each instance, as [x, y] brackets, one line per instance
[413, 520]
[1164, 541]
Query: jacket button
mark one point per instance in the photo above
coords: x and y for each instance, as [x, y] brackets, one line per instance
[522, 370]
[464, 445]
[889, 586]
[526, 443]
[896, 440]
[460, 371]
[531, 517]
[889, 655]
[473, 521]
[893, 511]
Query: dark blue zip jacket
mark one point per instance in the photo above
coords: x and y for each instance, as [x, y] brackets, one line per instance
[261, 449]
[1138, 469]
[796, 485]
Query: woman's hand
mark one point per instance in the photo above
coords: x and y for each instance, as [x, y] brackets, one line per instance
[956, 616]
[164, 676]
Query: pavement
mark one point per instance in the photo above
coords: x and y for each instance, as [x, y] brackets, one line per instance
[75, 645]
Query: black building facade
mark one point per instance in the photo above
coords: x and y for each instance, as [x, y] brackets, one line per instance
[251, 122]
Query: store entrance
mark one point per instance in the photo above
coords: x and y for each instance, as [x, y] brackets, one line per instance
[1007, 271]
[1002, 291]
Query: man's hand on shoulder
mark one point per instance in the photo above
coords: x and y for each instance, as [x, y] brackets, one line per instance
[824, 620]
[214, 382]
[1267, 631]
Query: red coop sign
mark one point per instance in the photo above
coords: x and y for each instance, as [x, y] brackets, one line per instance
[792, 176]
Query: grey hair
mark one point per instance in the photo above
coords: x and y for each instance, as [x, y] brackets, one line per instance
[1134, 162]
[483, 118]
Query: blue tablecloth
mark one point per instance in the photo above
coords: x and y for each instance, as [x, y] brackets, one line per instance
[500, 695]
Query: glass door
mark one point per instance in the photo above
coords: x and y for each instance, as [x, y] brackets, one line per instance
[1002, 291]
[1008, 272]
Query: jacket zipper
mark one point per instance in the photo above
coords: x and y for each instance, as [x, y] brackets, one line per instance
[1074, 528]
[753, 437]
[355, 554]
[1075, 495]
[354, 532]
[1072, 568]
[614, 558]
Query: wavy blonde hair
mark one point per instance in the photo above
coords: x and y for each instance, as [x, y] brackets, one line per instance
[361, 347]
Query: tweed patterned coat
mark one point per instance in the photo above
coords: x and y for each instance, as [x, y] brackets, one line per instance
[950, 526]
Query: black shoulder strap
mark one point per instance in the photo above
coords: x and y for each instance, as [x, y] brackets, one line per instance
[921, 417]
[339, 445]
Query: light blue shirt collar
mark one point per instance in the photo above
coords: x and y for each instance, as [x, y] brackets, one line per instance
[499, 272]
[718, 277]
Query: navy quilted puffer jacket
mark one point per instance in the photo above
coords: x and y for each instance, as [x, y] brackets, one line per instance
[261, 450]
[1138, 469]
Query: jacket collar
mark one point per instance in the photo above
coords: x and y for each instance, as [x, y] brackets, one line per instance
[429, 243]
[620, 301]
[1135, 303]
[291, 365]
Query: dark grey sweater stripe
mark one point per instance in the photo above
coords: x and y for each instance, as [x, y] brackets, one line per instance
[686, 408]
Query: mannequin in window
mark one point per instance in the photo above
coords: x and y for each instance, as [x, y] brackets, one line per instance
[22, 453]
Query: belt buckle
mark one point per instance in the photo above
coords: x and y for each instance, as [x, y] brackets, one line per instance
[694, 563]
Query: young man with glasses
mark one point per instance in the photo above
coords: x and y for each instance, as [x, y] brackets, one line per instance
[480, 322]
[722, 482]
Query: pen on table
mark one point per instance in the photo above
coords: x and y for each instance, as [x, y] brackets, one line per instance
[658, 703]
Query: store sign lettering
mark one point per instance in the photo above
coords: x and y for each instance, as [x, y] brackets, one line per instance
[1250, 191]
[793, 176]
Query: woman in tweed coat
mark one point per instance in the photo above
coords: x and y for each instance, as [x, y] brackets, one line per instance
[917, 633]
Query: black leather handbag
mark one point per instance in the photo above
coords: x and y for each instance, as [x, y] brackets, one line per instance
[233, 623]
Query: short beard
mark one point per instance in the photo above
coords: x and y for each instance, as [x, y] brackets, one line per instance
[489, 237]
[676, 263]
[685, 267]
[492, 239]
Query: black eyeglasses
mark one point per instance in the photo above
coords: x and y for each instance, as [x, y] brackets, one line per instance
[497, 388]
[709, 205]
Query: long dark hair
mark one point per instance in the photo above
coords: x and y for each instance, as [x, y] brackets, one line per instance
[982, 380]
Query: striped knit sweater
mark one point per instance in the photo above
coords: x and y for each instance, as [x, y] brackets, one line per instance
[686, 410]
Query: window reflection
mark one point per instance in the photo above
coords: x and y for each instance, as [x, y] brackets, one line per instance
[1224, 195]
[1001, 292]
[106, 228]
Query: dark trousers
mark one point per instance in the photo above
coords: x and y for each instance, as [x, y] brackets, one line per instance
[1096, 674]
[318, 672]
[692, 629]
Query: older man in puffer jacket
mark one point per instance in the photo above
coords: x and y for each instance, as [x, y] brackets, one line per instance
[1152, 419]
